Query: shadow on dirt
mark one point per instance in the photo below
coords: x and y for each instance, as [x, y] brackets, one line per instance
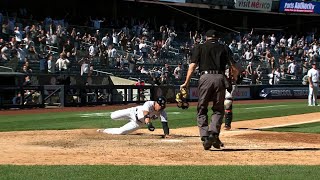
[273, 149]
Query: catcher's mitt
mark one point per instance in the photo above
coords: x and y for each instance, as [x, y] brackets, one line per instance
[236, 73]
[181, 99]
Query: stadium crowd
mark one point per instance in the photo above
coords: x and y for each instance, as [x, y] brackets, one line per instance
[136, 46]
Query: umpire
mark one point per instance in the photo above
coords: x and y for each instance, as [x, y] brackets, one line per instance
[212, 58]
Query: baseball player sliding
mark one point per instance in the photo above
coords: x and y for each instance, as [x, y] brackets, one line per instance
[139, 116]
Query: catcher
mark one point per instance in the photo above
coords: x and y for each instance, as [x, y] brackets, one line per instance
[230, 74]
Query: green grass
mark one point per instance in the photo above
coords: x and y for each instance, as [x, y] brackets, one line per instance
[177, 117]
[158, 172]
[302, 128]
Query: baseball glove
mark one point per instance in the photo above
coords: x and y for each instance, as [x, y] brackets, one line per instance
[150, 126]
[235, 73]
[181, 99]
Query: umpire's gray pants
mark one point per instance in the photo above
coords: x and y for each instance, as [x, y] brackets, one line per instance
[211, 88]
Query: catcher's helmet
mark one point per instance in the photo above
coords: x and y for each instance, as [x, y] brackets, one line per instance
[161, 100]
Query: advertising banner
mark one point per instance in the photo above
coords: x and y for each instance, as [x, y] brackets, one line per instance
[239, 93]
[283, 93]
[258, 5]
[299, 7]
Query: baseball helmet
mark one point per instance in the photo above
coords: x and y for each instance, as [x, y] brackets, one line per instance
[162, 101]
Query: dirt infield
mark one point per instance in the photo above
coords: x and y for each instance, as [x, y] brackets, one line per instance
[244, 145]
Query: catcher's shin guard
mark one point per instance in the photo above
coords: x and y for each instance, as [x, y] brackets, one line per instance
[228, 116]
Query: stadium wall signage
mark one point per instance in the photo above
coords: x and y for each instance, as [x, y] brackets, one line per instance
[288, 92]
[299, 7]
[259, 5]
[240, 93]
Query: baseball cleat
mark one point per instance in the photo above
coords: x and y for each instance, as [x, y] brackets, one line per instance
[227, 128]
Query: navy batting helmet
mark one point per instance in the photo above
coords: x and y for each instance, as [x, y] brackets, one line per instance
[161, 100]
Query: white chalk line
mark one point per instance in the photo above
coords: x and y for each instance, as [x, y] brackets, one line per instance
[237, 131]
[108, 113]
[265, 107]
[172, 140]
[289, 124]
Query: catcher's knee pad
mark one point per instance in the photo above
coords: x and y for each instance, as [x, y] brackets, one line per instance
[228, 103]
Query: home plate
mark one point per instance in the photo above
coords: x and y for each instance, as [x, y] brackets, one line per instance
[172, 140]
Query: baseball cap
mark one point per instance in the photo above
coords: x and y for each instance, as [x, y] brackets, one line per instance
[211, 33]
[314, 63]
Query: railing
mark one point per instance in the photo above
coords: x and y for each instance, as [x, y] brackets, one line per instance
[53, 49]
[102, 72]
[4, 67]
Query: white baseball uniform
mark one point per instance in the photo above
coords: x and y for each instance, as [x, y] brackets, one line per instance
[313, 92]
[136, 118]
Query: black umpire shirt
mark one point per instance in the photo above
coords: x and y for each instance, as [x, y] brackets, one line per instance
[212, 55]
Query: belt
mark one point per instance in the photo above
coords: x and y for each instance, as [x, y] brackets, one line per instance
[315, 82]
[211, 72]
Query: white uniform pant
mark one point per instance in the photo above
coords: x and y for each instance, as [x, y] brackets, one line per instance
[125, 114]
[313, 94]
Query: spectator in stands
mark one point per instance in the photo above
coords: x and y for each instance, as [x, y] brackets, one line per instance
[68, 47]
[273, 41]
[292, 69]
[51, 64]
[97, 35]
[143, 49]
[249, 70]
[22, 52]
[32, 53]
[27, 81]
[62, 63]
[132, 62]
[42, 38]
[282, 45]
[276, 76]
[143, 70]
[112, 54]
[96, 23]
[43, 63]
[141, 82]
[254, 77]
[248, 55]
[123, 41]
[106, 40]
[16, 100]
[93, 50]
[18, 34]
[115, 37]
[271, 77]
[178, 72]
[6, 51]
[84, 71]
[305, 68]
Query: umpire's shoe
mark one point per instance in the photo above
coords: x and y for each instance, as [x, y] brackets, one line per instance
[212, 140]
[207, 143]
